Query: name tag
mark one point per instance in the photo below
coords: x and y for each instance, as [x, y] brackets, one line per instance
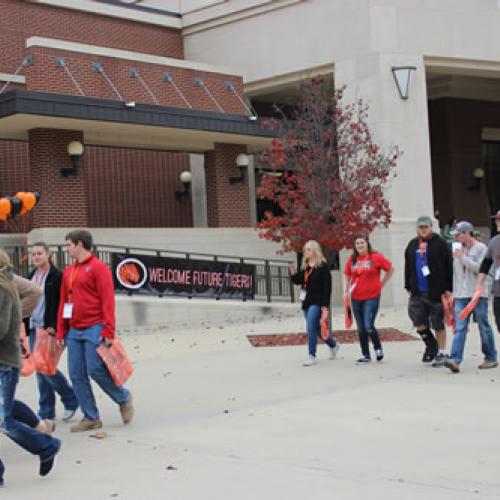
[302, 295]
[497, 274]
[67, 310]
[426, 271]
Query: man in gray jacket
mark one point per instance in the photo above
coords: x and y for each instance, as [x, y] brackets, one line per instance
[468, 254]
[492, 261]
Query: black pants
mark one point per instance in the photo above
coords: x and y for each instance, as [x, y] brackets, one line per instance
[496, 311]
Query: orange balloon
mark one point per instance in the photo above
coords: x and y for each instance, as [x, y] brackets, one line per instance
[4, 208]
[21, 196]
[29, 201]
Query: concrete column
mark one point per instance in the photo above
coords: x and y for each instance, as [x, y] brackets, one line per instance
[395, 122]
[198, 190]
[252, 192]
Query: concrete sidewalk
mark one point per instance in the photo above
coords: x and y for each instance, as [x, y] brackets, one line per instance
[219, 419]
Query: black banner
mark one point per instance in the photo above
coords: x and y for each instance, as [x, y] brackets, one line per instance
[151, 275]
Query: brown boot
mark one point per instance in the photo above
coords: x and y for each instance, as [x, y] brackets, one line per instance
[488, 364]
[127, 410]
[86, 425]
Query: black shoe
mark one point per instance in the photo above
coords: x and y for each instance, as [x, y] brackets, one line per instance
[429, 354]
[47, 464]
[380, 354]
[440, 360]
[364, 359]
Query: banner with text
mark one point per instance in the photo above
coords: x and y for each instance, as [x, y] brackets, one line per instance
[147, 274]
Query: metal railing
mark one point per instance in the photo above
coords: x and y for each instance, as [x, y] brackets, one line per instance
[273, 282]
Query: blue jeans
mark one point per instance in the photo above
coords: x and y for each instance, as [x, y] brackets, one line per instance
[313, 326]
[365, 312]
[485, 331]
[84, 362]
[10, 422]
[24, 414]
[48, 386]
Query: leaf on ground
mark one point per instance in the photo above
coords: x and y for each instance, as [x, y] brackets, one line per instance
[99, 435]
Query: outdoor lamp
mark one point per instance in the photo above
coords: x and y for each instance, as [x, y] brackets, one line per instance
[242, 162]
[186, 177]
[478, 176]
[402, 76]
[75, 151]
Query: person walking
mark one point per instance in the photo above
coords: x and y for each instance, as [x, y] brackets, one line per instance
[48, 278]
[316, 289]
[468, 254]
[86, 318]
[30, 439]
[428, 275]
[492, 261]
[364, 286]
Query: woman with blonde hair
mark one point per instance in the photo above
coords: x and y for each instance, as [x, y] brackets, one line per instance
[11, 424]
[316, 289]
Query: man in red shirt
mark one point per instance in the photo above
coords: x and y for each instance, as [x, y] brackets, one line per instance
[86, 318]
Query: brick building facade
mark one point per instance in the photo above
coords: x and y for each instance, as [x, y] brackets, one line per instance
[133, 153]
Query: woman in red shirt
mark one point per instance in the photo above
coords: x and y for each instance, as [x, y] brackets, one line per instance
[363, 285]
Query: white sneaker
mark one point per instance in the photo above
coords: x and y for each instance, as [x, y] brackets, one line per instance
[311, 361]
[334, 351]
[68, 415]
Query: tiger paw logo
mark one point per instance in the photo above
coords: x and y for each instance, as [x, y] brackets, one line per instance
[131, 273]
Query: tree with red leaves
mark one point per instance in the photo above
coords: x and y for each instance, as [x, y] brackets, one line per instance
[328, 177]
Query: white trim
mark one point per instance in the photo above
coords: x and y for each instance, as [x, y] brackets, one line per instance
[114, 11]
[83, 48]
[265, 85]
[230, 12]
[456, 66]
[490, 134]
[6, 77]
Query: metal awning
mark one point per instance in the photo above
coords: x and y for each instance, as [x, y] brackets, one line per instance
[114, 123]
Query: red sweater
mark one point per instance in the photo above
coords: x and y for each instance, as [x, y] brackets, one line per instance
[92, 296]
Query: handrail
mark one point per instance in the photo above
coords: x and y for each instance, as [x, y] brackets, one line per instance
[272, 275]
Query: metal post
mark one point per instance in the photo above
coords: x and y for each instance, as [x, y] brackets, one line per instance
[267, 272]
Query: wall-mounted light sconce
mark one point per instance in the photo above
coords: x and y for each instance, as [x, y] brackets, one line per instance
[402, 76]
[75, 151]
[186, 177]
[478, 176]
[242, 162]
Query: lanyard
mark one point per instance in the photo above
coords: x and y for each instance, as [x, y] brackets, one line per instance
[38, 278]
[306, 276]
[421, 251]
[72, 276]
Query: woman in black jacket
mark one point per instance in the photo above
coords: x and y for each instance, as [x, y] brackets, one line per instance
[316, 289]
[49, 278]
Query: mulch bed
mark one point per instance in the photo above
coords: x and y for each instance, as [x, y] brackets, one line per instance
[343, 336]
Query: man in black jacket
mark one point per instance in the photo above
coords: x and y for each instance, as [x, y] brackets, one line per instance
[428, 275]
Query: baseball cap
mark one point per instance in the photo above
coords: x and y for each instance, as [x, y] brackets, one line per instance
[463, 227]
[424, 220]
[496, 216]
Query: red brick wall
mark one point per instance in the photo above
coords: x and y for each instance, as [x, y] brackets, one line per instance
[63, 201]
[135, 188]
[455, 130]
[14, 177]
[44, 76]
[20, 19]
[116, 187]
[228, 205]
